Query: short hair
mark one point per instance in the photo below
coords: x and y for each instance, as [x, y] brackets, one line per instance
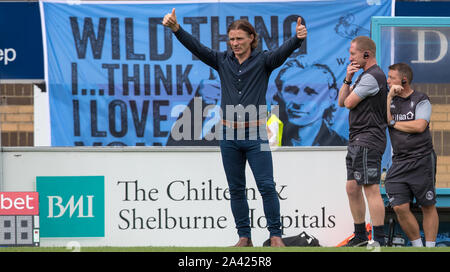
[294, 63]
[328, 114]
[244, 25]
[365, 43]
[403, 69]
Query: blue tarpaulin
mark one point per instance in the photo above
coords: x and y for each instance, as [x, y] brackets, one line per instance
[116, 76]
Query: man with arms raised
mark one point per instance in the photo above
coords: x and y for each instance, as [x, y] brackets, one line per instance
[244, 74]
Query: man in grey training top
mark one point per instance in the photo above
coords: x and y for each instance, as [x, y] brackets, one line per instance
[413, 170]
[366, 100]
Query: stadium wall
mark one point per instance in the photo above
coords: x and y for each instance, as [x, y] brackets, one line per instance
[17, 98]
[154, 196]
[17, 121]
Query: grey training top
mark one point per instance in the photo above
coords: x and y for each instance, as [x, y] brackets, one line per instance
[410, 146]
[368, 119]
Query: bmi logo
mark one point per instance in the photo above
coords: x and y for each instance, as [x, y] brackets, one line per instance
[71, 206]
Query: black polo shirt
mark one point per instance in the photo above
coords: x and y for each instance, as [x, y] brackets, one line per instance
[243, 86]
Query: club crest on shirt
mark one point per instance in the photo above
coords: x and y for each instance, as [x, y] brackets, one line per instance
[429, 195]
[410, 116]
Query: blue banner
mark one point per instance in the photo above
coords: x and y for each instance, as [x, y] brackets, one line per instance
[116, 76]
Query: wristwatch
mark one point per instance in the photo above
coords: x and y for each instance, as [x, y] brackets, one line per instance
[347, 82]
[392, 123]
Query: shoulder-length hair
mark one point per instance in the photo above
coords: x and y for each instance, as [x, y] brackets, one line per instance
[244, 25]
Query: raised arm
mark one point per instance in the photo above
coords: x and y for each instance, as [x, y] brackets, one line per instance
[422, 113]
[170, 20]
[347, 98]
[205, 54]
[392, 92]
[278, 56]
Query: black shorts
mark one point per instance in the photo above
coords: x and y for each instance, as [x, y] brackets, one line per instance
[363, 164]
[412, 179]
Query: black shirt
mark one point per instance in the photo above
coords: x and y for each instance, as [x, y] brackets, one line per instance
[241, 84]
[368, 119]
[409, 145]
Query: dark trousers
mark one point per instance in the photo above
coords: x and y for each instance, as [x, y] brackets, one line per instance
[235, 154]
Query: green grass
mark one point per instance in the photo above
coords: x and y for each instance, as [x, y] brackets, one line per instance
[223, 249]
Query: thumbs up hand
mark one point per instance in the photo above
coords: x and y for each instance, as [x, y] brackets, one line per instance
[300, 29]
[170, 20]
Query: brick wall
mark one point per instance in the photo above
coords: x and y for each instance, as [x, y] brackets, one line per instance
[17, 129]
[16, 114]
[440, 128]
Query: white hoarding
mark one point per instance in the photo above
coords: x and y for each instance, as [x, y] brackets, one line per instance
[178, 196]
